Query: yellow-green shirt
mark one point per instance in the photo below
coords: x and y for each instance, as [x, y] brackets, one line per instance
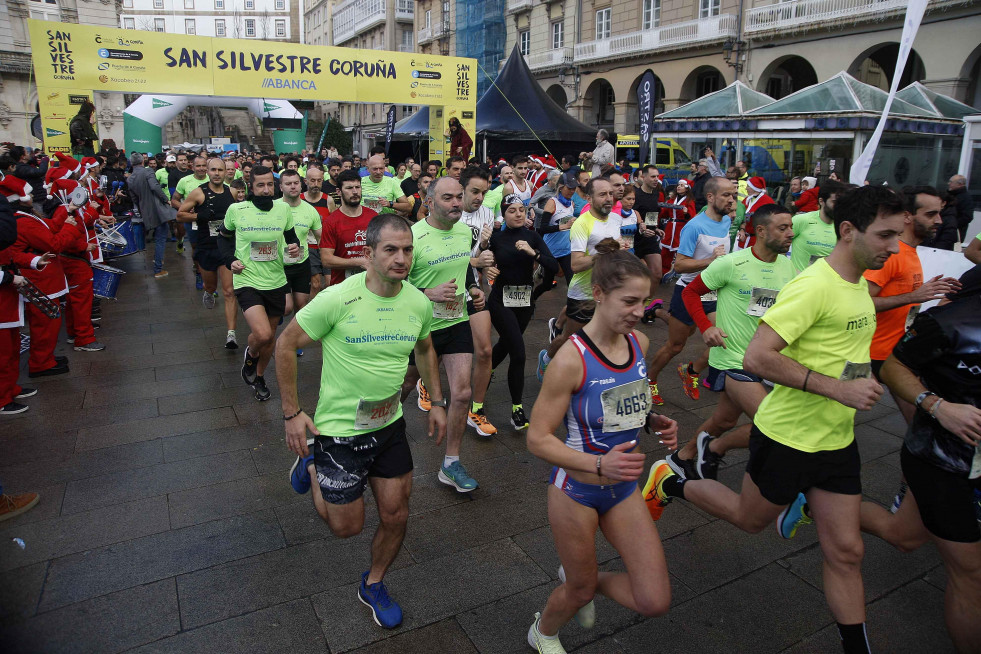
[828, 324]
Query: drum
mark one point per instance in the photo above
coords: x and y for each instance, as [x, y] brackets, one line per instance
[105, 281]
[111, 241]
[124, 230]
[139, 236]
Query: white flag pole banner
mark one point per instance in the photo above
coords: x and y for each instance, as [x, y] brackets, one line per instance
[914, 14]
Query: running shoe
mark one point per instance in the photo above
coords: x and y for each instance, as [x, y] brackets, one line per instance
[12, 408]
[261, 391]
[707, 462]
[300, 473]
[540, 643]
[553, 330]
[689, 382]
[518, 419]
[684, 468]
[479, 421]
[898, 500]
[656, 398]
[230, 342]
[542, 365]
[299, 352]
[654, 489]
[650, 312]
[94, 346]
[25, 392]
[249, 367]
[14, 505]
[423, 401]
[180, 246]
[457, 476]
[161, 274]
[386, 611]
[70, 340]
[793, 517]
[585, 616]
[208, 300]
[198, 282]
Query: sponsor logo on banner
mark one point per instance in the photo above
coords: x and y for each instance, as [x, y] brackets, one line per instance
[104, 65]
[268, 106]
[52, 132]
[159, 104]
[425, 74]
[133, 55]
[78, 99]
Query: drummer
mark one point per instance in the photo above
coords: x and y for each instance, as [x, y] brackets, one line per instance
[206, 205]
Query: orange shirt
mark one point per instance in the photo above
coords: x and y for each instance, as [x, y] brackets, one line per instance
[901, 274]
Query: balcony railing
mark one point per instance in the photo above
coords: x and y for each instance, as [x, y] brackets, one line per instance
[435, 31]
[515, 6]
[549, 58]
[405, 10]
[705, 30]
[356, 16]
[800, 14]
[406, 48]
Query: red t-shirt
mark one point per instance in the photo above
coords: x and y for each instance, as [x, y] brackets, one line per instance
[324, 210]
[347, 237]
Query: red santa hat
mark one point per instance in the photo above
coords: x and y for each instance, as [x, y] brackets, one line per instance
[89, 163]
[61, 188]
[15, 189]
[681, 182]
[69, 163]
[52, 175]
[756, 184]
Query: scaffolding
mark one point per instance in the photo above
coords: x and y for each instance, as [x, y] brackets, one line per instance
[481, 33]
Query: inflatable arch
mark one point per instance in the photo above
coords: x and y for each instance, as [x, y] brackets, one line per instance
[144, 120]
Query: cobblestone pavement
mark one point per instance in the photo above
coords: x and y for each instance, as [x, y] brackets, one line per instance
[167, 523]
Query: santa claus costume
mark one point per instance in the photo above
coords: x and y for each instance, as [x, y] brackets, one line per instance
[755, 199]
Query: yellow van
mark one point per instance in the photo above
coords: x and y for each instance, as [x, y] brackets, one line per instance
[669, 157]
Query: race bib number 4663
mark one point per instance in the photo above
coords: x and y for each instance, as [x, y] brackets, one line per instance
[626, 406]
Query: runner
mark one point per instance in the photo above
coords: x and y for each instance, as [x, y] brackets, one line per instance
[441, 269]
[591, 228]
[343, 241]
[185, 185]
[648, 243]
[519, 184]
[897, 288]
[814, 232]
[205, 206]
[747, 283]
[555, 226]
[420, 208]
[703, 239]
[254, 240]
[801, 442]
[516, 250]
[934, 367]
[306, 221]
[324, 205]
[367, 326]
[480, 220]
[598, 385]
[674, 220]
[380, 192]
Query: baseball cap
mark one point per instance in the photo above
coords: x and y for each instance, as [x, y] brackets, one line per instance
[568, 180]
[171, 159]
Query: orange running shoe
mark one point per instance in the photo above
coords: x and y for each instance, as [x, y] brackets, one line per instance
[479, 421]
[654, 495]
[689, 382]
[424, 403]
[656, 398]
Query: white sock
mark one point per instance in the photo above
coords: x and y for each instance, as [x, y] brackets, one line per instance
[537, 622]
[448, 460]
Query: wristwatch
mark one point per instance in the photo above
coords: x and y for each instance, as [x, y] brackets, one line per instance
[442, 403]
[923, 396]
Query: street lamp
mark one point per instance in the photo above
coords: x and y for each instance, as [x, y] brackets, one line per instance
[732, 53]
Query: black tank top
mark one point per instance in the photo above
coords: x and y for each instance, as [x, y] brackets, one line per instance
[211, 213]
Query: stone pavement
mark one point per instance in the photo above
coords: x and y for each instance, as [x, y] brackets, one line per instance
[167, 524]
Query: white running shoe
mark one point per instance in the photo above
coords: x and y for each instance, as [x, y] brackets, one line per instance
[543, 644]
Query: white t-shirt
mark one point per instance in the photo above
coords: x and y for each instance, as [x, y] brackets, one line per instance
[476, 221]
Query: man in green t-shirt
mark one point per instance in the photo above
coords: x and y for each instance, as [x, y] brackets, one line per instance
[814, 232]
[306, 220]
[746, 283]
[380, 192]
[814, 345]
[253, 241]
[367, 326]
[441, 269]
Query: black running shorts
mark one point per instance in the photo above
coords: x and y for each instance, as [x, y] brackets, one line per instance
[298, 277]
[273, 301]
[455, 339]
[345, 464]
[945, 500]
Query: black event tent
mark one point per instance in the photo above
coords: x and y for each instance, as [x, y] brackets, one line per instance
[501, 125]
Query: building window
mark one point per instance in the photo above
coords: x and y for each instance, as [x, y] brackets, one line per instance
[406, 41]
[250, 27]
[159, 25]
[604, 23]
[606, 109]
[158, 4]
[220, 27]
[250, 4]
[708, 8]
[429, 19]
[129, 23]
[219, 4]
[188, 4]
[189, 26]
[524, 41]
[558, 35]
[127, 4]
[651, 15]
[280, 28]
[280, 5]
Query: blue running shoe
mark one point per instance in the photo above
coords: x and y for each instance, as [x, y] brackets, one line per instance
[793, 517]
[386, 611]
[300, 473]
[457, 476]
[198, 282]
[299, 352]
[542, 365]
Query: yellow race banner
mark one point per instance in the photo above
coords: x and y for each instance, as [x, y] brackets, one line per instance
[58, 107]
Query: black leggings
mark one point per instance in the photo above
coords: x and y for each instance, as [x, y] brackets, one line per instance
[510, 323]
[565, 262]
